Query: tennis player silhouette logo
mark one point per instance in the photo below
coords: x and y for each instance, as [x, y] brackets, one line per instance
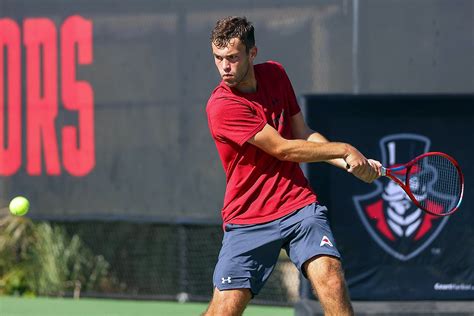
[391, 218]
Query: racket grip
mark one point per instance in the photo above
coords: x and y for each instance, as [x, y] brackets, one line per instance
[383, 171]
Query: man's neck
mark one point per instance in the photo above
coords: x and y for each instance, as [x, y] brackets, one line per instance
[249, 84]
[250, 88]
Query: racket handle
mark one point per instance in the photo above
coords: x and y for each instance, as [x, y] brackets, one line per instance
[383, 171]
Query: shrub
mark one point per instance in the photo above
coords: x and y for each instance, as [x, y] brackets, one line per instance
[38, 258]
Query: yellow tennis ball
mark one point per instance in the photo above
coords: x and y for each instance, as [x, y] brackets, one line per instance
[19, 206]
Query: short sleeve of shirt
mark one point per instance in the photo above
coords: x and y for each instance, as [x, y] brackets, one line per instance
[233, 121]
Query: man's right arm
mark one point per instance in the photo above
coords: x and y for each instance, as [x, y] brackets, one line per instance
[299, 150]
[296, 150]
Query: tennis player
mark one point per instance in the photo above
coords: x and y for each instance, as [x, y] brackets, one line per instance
[261, 137]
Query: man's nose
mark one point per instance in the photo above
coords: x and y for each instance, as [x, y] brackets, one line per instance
[226, 65]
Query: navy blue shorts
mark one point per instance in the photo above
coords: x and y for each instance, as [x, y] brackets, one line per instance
[250, 252]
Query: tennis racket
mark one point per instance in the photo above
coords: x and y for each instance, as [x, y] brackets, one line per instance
[433, 181]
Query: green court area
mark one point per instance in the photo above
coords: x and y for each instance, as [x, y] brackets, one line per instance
[17, 306]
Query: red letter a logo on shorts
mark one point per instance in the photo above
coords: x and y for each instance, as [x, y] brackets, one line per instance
[325, 241]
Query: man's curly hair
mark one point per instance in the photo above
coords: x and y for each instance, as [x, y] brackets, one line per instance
[233, 27]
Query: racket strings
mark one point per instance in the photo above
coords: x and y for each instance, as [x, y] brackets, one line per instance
[436, 184]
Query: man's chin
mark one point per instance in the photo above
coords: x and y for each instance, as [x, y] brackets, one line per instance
[230, 84]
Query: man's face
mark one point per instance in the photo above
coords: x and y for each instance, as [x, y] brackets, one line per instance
[233, 62]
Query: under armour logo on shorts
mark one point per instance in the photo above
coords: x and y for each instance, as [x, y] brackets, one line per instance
[228, 280]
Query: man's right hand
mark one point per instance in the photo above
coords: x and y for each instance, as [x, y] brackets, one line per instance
[362, 168]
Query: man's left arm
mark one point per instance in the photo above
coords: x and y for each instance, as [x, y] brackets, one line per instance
[302, 131]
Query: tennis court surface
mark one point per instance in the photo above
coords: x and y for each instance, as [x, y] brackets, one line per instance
[16, 306]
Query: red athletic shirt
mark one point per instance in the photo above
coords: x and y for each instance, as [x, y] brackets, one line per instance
[259, 187]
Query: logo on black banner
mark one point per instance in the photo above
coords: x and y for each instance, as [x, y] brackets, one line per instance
[392, 219]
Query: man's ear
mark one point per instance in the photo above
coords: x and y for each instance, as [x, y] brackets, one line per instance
[253, 53]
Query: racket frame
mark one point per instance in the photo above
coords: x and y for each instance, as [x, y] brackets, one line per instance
[388, 172]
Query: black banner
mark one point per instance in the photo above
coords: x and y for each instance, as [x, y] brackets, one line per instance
[402, 254]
